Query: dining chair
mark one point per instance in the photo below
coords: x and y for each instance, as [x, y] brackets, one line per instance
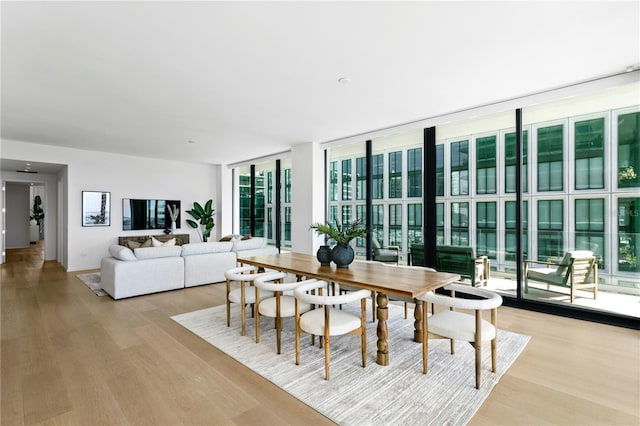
[279, 305]
[327, 321]
[454, 325]
[240, 295]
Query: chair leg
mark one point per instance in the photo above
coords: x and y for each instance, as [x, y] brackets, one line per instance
[373, 306]
[478, 347]
[327, 356]
[363, 331]
[425, 338]
[278, 332]
[228, 305]
[297, 339]
[405, 310]
[258, 325]
[494, 342]
[243, 309]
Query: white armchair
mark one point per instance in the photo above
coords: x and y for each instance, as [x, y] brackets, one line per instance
[326, 321]
[453, 325]
[280, 305]
[241, 295]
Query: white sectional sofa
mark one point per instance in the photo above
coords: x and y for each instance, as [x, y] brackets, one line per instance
[145, 270]
[205, 263]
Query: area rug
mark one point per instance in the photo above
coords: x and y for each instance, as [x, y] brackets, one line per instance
[375, 395]
[92, 281]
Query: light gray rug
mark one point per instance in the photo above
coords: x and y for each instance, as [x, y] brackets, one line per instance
[375, 395]
[92, 281]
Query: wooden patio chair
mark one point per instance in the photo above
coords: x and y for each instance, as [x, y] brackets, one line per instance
[578, 270]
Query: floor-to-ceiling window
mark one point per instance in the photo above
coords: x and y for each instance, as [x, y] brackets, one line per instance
[347, 188]
[578, 168]
[577, 161]
[396, 182]
[580, 198]
[258, 201]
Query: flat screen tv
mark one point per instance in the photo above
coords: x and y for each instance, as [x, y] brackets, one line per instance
[147, 214]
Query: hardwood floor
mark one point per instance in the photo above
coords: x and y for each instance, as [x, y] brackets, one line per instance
[70, 357]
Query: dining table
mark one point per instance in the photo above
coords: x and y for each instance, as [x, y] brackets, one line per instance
[385, 280]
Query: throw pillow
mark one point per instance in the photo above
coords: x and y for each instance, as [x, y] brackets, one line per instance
[156, 243]
[226, 238]
[135, 244]
[246, 237]
[121, 253]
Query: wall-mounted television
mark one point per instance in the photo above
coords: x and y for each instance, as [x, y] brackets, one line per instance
[147, 214]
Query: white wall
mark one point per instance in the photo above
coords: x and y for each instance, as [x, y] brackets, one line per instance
[224, 202]
[124, 177]
[307, 192]
[17, 215]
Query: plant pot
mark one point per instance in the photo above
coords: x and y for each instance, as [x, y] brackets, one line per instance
[343, 255]
[324, 255]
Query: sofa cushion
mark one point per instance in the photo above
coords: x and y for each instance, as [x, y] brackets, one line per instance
[204, 248]
[252, 243]
[122, 253]
[155, 252]
[156, 243]
[135, 244]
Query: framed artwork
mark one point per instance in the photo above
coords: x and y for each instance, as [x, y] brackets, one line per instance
[96, 208]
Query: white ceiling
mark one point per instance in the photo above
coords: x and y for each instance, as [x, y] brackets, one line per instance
[247, 79]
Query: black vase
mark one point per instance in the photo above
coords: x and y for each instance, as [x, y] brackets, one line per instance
[324, 255]
[343, 255]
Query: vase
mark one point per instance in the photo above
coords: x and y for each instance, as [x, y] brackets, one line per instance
[324, 255]
[173, 226]
[342, 255]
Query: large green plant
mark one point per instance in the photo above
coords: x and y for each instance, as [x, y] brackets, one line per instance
[341, 234]
[204, 218]
[37, 213]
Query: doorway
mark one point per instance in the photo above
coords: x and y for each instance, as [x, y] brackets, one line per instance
[24, 226]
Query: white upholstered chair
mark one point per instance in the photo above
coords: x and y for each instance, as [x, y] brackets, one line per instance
[242, 295]
[327, 321]
[454, 325]
[279, 305]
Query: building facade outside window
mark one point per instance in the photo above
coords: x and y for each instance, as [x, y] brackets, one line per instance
[395, 174]
[486, 165]
[550, 175]
[414, 173]
[510, 162]
[460, 168]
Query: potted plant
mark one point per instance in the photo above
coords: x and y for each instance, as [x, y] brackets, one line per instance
[204, 218]
[342, 254]
[37, 214]
[174, 211]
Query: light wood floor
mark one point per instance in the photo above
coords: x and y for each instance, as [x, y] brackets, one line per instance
[72, 358]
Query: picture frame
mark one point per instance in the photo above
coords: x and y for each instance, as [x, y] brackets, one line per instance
[96, 208]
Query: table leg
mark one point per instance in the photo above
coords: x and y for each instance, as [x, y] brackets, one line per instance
[383, 332]
[417, 323]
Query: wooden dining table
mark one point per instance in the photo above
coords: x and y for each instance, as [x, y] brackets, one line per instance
[386, 280]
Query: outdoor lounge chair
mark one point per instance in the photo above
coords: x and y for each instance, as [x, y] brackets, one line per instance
[578, 270]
